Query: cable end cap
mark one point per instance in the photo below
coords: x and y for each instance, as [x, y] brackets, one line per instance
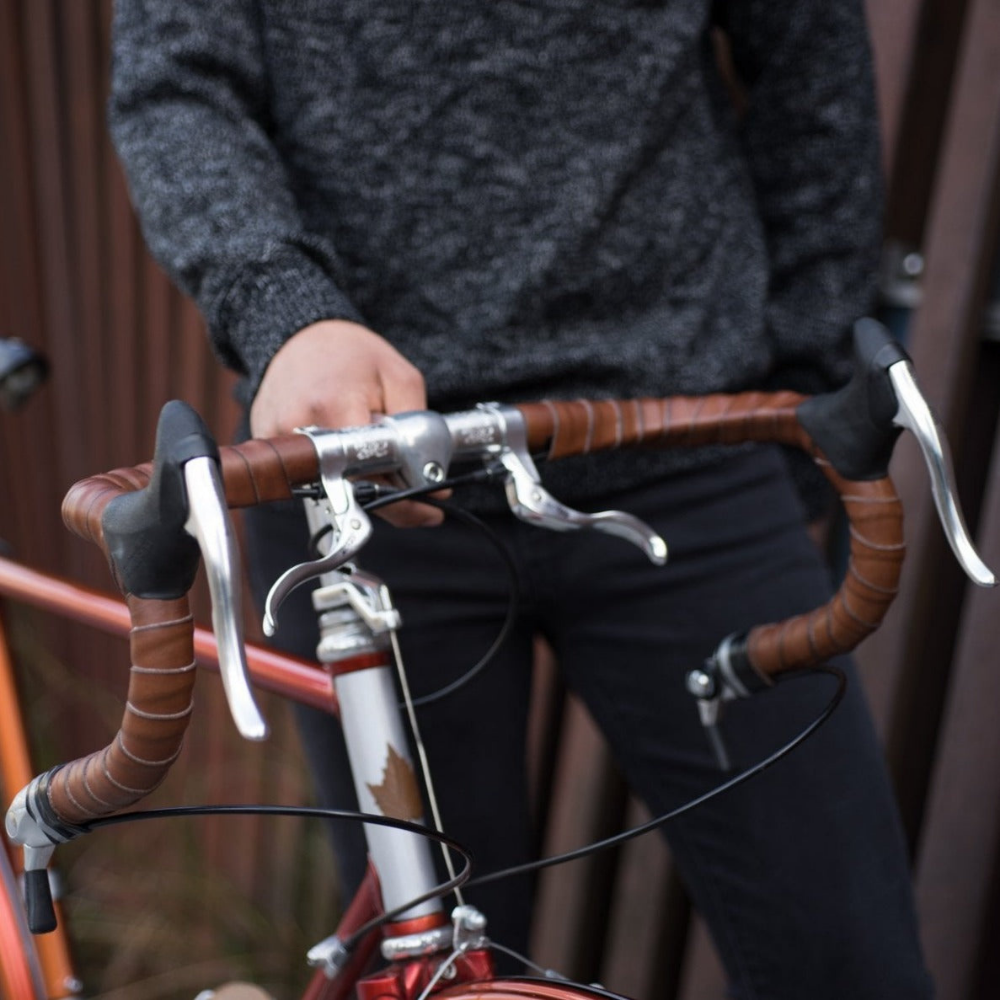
[38, 902]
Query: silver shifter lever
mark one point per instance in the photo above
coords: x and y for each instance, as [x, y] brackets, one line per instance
[531, 502]
[208, 522]
[915, 415]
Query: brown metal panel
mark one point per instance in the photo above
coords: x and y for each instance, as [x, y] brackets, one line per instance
[893, 27]
[77, 45]
[960, 842]
[906, 662]
[85, 237]
[931, 47]
[191, 359]
[156, 328]
[121, 260]
[49, 159]
[27, 484]
[126, 359]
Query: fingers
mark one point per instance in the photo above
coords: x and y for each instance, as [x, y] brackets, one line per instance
[326, 375]
[336, 374]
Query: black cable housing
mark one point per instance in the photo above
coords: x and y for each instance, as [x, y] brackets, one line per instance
[691, 804]
[318, 812]
[384, 497]
[463, 878]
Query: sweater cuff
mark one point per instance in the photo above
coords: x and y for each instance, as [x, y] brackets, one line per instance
[268, 303]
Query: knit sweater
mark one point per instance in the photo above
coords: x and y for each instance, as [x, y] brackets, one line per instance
[553, 198]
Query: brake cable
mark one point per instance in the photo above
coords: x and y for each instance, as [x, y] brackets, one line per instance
[319, 812]
[384, 496]
[738, 779]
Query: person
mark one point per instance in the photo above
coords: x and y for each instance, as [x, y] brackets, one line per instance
[381, 206]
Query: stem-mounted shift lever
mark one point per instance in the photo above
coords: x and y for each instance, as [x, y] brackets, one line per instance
[153, 538]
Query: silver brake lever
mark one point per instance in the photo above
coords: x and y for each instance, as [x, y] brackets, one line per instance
[532, 503]
[352, 528]
[915, 415]
[209, 523]
[415, 446]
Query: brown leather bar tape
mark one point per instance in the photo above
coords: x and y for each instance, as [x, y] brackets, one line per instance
[159, 699]
[578, 427]
[158, 707]
[873, 508]
[253, 472]
[870, 584]
[161, 681]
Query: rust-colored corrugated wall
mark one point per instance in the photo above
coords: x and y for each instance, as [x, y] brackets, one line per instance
[76, 283]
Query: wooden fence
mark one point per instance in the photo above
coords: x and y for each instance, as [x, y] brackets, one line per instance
[76, 283]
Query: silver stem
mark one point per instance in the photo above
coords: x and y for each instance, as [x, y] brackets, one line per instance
[425, 769]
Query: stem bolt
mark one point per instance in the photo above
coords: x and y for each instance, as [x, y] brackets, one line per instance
[433, 472]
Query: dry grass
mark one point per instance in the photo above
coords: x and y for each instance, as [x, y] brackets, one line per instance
[163, 909]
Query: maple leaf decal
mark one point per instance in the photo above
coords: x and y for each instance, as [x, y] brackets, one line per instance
[398, 795]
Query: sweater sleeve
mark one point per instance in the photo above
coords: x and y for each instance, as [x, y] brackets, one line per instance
[812, 141]
[188, 114]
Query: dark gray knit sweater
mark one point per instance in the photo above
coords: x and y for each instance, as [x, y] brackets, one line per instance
[527, 198]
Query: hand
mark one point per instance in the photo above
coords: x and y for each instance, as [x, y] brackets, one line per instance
[340, 374]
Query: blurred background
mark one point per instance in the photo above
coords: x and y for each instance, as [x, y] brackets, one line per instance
[168, 909]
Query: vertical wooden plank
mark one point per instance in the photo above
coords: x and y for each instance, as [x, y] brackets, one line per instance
[703, 977]
[960, 843]
[906, 662]
[647, 919]
[548, 696]
[573, 898]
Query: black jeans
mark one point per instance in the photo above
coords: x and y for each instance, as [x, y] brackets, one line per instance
[801, 874]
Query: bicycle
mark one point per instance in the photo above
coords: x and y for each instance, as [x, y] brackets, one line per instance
[155, 521]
